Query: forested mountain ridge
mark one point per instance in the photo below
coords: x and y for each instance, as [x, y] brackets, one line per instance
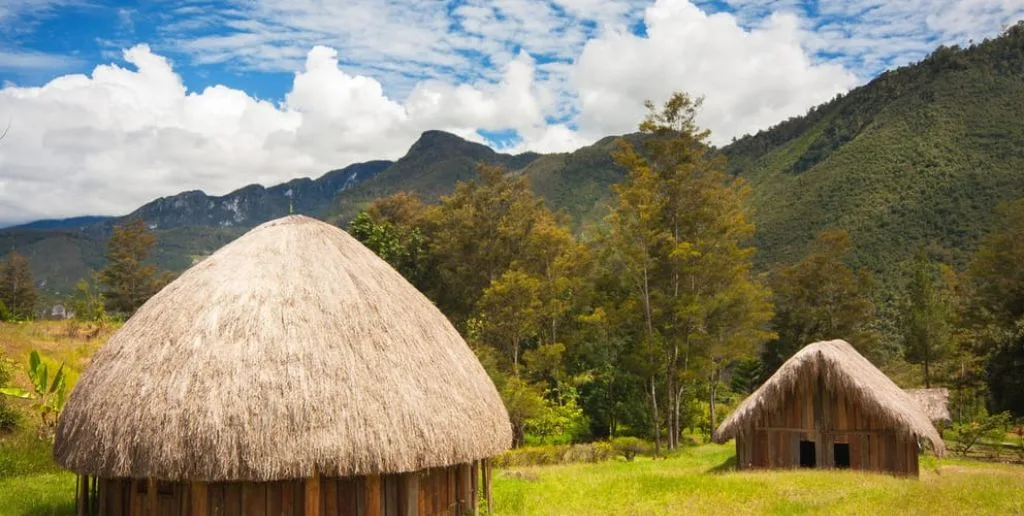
[917, 158]
[431, 168]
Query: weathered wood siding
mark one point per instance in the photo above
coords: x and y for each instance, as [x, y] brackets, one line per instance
[433, 492]
[814, 413]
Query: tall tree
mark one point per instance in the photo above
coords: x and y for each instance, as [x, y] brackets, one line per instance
[128, 280]
[17, 291]
[680, 235]
[819, 298]
[997, 311]
[925, 315]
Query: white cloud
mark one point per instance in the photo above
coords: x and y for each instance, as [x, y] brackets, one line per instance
[108, 142]
[560, 73]
[749, 78]
[868, 36]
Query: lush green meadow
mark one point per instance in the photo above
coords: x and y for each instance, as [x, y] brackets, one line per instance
[698, 480]
[701, 480]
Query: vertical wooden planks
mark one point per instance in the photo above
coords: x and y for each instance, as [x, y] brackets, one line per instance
[135, 502]
[81, 487]
[200, 499]
[410, 494]
[391, 483]
[232, 499]
[116, 497]
[312, 496]
[465, 487]
[329, 496]
[254, 498]
[474, 499]
[373, 495]
[102, 493]
[487, 487]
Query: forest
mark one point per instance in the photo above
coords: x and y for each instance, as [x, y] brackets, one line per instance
[657, 321]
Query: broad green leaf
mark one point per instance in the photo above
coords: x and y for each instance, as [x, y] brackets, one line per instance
[42, 374]
[33, 363]
[15, 392]
[58, 379]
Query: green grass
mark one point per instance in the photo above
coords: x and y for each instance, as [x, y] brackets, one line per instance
[41, 494]
[700, 481]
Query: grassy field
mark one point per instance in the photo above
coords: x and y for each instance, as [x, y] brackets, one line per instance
[701, 481]
[697, 481]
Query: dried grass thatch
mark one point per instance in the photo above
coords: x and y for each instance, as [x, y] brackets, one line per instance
[289, 351]
[934, 403]
[842, 368]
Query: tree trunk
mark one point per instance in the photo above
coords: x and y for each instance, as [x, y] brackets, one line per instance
[656, 422]
[927, 382]
[670, 391]
[676, 409]
[713, 391]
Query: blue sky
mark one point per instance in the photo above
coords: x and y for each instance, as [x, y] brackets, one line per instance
[114, 103]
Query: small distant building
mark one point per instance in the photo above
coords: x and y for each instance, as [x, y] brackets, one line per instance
[829, 407]
[935, 404]
[60, 312]
[293, 372]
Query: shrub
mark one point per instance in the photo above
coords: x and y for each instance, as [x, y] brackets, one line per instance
[555, 454]
[630, 447]
[992, 428]
[9, 418]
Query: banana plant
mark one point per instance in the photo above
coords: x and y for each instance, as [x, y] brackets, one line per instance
[49, 395]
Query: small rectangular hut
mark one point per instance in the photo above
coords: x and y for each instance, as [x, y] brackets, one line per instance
[829, 407]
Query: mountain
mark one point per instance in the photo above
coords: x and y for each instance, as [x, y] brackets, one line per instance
[188, 225]
[254, 204]
[917, 158]
[433, 165]
[71, 223]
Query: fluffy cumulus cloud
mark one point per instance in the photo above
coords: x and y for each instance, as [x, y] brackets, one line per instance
[107, 142]
[368, 77]
[749, 79]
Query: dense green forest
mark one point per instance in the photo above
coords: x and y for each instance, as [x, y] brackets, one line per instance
[658, 321]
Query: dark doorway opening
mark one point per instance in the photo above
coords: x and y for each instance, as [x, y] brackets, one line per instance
[808, 457]
[841, 451]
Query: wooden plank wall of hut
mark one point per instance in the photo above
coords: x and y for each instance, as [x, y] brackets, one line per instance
[828, 418]
[433, 492]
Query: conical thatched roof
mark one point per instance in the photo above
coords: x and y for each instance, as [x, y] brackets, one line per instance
[842, 368]
[291, 350]
[934, 402]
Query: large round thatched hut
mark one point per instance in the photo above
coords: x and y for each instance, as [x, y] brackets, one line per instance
[829, 407]
[293, 372]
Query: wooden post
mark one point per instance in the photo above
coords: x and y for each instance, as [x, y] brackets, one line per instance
[411, 493]
[373, 505]
[101, 494]
[465, 487]
[475, 497]
[487, 486]
[200, 500]
[80, 495]
[313, 495]
[154, 509]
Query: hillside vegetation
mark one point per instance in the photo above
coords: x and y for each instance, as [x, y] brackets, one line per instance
[919, 157]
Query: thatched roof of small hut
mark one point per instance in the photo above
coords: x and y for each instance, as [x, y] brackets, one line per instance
[934, 402]
[842, 368]
[292, 350]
